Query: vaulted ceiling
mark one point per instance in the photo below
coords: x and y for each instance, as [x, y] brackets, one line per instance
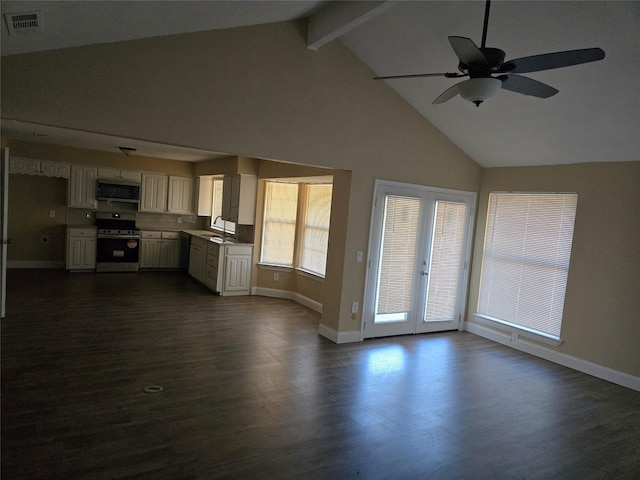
[594, 117]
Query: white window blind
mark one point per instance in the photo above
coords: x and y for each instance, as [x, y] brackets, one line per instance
[398, 257]
[526, 259]
[279, 229]
[446, 258]
[315, 228]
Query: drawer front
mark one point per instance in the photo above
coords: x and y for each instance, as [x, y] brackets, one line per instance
[239, 249]
[151, 234]
[171, 235]
[81, 232]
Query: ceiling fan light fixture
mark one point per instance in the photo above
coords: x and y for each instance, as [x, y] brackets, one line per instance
[477, 90]
[127, 150]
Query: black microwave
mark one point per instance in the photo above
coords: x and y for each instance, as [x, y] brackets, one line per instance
[113, 191]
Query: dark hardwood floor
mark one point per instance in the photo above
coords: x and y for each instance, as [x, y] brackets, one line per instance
[252, 391]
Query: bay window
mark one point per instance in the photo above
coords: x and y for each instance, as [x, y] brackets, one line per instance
[296, 226]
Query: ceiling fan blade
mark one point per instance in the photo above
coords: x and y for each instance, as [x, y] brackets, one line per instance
[448, 94]
[527, 86]
[418, 75]
[548, 61]
[467, 51]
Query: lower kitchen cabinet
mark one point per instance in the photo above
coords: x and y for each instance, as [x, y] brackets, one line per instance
[225, 268]
[81, 249]
[160, 250]
[198, 258]
[237, 270]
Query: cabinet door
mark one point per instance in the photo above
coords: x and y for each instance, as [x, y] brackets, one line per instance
[180, 195]
[198, 259]
[170, 254]
[116, 174]
[81, 253]
[237, 273]
[130, 176]
[82, 187]
[149, 253]
[154, 193]
[110, 173]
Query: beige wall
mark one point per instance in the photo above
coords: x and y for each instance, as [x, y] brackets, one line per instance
[257, 92]
[31, 199]
[601, 321]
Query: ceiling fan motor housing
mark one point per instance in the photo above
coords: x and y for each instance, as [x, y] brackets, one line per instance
[495, 59]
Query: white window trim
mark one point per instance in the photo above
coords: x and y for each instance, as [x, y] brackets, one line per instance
[518, 330]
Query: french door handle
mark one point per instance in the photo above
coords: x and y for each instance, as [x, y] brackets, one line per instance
[424, 274]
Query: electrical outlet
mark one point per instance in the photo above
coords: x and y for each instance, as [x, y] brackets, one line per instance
[52, 214]
[276, 277]
[359, 256]
[44, 239]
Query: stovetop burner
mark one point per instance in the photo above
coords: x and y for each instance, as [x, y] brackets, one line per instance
[113, 223]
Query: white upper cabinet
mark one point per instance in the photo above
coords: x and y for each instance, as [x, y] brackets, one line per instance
[30, 166]
[239, 199]
[205, 192]
[154, 192]
[181, 191]
[82, 187]
[115, 174]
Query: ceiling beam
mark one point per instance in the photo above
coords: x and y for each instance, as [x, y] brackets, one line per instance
[338, 18]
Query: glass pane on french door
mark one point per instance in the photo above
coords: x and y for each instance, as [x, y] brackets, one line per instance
[446, 266]
[397, 258]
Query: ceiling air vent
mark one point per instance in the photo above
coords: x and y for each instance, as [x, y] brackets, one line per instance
[23, 22]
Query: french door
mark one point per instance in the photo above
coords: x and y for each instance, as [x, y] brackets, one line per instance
[418, 259]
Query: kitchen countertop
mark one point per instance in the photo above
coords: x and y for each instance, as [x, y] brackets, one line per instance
[212, 237]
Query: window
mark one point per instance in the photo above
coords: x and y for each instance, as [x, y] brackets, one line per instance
[296, 225]
[279, 226]
[525, 261]
[315, 228]
[216, 208]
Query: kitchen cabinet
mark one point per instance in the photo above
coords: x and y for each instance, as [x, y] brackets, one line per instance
[30, 166]
[237, 269]
[159, 249]
[154, 193]
[239, 198]
[115, 174]
[82, 187]
[198, 258]
[181, 191]
[205, 196]
[150, 249]
[214, 268]
[170, 250]
[81, 248]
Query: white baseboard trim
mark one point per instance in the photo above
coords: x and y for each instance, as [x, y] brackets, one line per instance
[35, 264]
[339, 337]
[296, 297]
[584, 366]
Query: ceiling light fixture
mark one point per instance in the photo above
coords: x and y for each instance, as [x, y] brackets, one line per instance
[477, 90]
[127, 150]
